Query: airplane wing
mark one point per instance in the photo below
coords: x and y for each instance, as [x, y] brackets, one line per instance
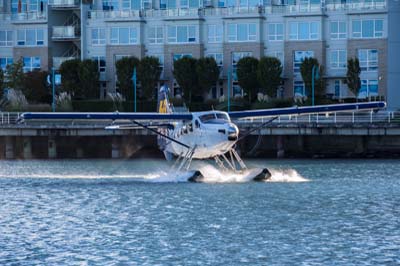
[109, 116]
[331, 108]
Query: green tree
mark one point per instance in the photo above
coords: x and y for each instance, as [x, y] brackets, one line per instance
[207, 73]
[1, 83]
[353, 80]
[186, 76]
[148, 74]
[89, 79]
[269, 74]
[125, 67]
[306, 73]
[70, 81]
[16, 75]
[247, 76]
[36, 88]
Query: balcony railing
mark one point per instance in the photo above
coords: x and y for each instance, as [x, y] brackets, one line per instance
[64, 3]
[357, 6]
[177, 12]
[114, 15]
[57, 61]
[25, 17]
[65, 32]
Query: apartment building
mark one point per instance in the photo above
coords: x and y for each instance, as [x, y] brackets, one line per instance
[45, 34]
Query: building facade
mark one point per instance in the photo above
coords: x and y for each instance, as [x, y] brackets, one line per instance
[45, 34]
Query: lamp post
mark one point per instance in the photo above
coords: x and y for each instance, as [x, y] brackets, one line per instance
[134, 89]
[313, 76]
[229, 87]
[53, 81]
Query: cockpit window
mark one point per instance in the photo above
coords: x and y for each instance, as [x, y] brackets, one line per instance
[214, 118]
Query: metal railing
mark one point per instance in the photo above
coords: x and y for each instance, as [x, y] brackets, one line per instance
[374, 5]
[24, 17]
[9, 118]
[64, 3]
[64, 32]
[353, 118]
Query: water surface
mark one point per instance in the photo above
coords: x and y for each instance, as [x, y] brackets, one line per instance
[114, 212]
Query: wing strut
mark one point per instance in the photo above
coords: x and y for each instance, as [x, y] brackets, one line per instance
[160, 134]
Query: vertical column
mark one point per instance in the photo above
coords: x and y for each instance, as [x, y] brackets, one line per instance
[10, 147]
[27, 147]
[115, 148]
[52, 148]
[279, 147]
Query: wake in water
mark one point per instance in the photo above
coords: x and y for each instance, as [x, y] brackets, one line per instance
[139, 170]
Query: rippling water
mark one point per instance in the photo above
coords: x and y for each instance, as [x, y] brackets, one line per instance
[97, 212]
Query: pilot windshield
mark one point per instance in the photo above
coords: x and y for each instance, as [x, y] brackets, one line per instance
[214, 118]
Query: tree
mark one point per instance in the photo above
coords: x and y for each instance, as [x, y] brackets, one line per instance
[36, 88]
[125, 67]
[1, 82]
[15, 75]
[148, 73]
[353, 80]
[269, 74]
[186, 76]
[306, 73]
[89, 79]
[207, 73]
[247, 76]
[70, 81]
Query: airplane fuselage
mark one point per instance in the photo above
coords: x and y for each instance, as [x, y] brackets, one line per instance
[211, 133]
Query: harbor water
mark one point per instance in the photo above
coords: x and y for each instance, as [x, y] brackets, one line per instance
[136, 212]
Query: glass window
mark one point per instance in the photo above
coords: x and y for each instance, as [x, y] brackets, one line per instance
[123, 36]
[338, 30]
[98, 36]
[31, 63]
[6, 38]
[338, 59]
[156, 35]
[133, 35]
[4, 61]
[299, 88]
[369, 87]
[299, 57]
[242, 32]
[181, 34]
[101, 63]
[214, 33]
[31, 37]
[368, 59]
[304, 30]
[367, 28]
[275, 31]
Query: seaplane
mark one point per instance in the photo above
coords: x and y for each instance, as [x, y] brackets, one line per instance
[185, 136]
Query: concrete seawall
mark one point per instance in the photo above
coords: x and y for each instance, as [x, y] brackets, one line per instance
[57, 141]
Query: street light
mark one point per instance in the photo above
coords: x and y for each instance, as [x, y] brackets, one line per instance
[314, 76]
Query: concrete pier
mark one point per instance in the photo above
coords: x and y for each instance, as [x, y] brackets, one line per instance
[52, 148]
[27, 148]
[9, 147]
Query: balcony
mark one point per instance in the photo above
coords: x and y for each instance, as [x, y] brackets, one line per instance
[57, 61]
[358, 7]
[64, 4]
[234, 11]
[65, 33]
[118, 15]
[25, 17]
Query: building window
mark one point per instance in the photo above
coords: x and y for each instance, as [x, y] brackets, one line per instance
[249, 3]
[299, 89]
[30, 37]
[109, 5]
[369, 87]
[18, 6]
[235, 59]
[243, 32]
[299, 57]
[226, 3]
[4, 61]
[214, 33]
[182, 34]
[167, 4]
[338, 59]
[31, 63]
[304, 30]
[6, 38]
[219, 59]
[338, 30]
[131, 4]
[368, 59]
[371, 28]
[101, 63]
[277, 54]
[98, 36]
[179, 56]
[275, 32]
[123, 36]
[156, 35]
[337, 88]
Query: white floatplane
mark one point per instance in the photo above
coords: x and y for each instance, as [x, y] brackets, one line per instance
[200, 135]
